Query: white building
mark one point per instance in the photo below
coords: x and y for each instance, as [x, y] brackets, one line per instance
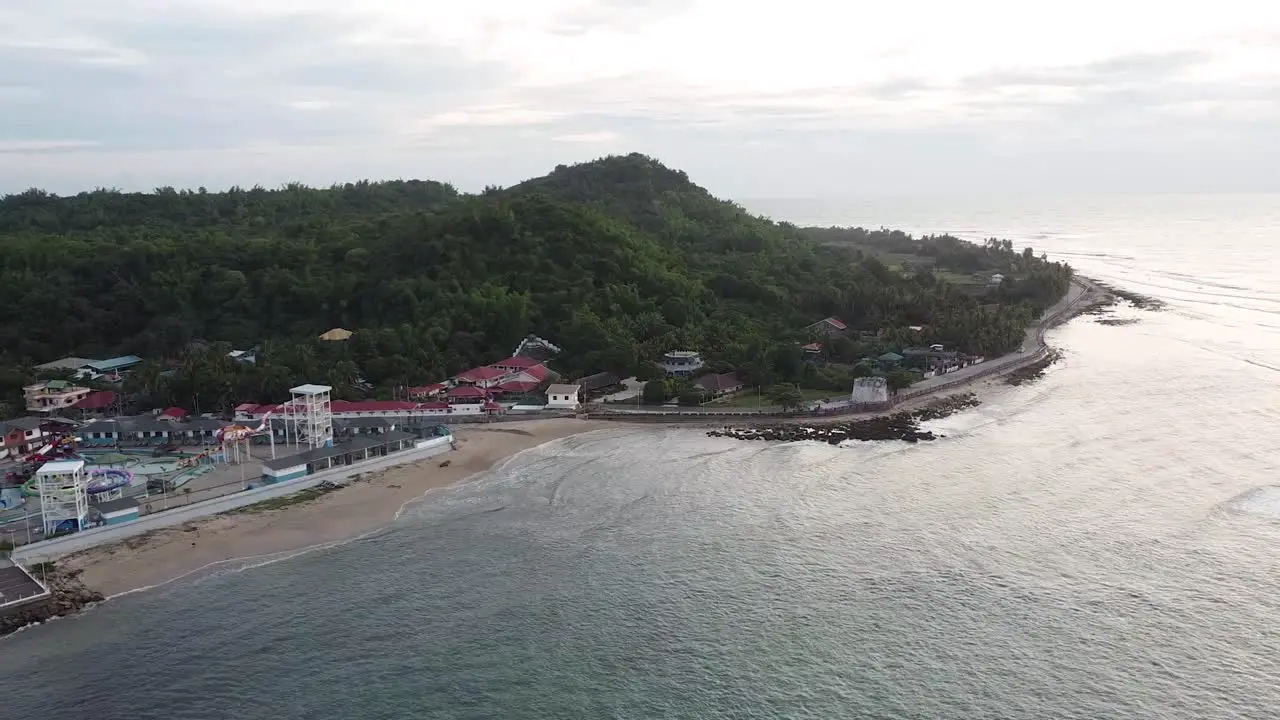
[563, 397]
[682, 363]
[53, 395]
[869, 390]
[64, 495]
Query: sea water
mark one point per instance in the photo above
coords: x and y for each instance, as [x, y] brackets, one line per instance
[1101, 543]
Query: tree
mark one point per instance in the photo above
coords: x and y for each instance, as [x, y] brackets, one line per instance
[692, 396]
[787, 397]
[656, 392]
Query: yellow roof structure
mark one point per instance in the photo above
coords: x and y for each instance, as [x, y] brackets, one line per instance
[337, 334]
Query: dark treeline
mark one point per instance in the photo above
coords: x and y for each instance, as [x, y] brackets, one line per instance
[616, 261]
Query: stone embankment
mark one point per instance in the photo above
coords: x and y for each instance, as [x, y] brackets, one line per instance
[70, 596]
[903, 426]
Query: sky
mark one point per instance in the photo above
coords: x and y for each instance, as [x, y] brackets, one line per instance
[803, 98]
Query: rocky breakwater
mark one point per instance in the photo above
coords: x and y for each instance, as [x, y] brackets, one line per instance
[69, 596]
[903, 426]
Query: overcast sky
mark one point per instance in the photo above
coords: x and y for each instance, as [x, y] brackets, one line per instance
[754, 99]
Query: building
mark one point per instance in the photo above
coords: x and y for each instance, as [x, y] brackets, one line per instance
[870, 391]
[827, 326]
[812, 352]
[53, 395]
[426, 392]
[173, 413]
[95, 404]
[23, 435]
[248, 357]
[67, 363]
[563, 397]
[537, 348]
[482, 377]
[996, 279]
[114, 512]
[111, 366]
[682, 363]
[601, 383]
[890, 360]
[64, 496]
[319, 459]
[717, 385]
[336, 335]
[148, 429]
[515, 363]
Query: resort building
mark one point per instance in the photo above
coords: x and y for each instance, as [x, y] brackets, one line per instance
[717, 385]
[95, 404]
[349, 452]
[53, 395]
[66, 363]
[827, 326]
[110, 368]
[22, 436]
[563, 397]
[114, 512]
[682, 363]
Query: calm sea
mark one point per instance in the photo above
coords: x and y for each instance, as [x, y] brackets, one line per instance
[1104, 543]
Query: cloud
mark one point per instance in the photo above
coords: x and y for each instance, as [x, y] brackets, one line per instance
[489, 92]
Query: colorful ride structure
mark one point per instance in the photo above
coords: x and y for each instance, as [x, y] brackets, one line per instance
[234, 440]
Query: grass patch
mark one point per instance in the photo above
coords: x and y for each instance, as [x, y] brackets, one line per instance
[299, 498]
[751, 399]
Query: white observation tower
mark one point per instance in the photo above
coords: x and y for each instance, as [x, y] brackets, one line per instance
[309, 414]
[64, 495]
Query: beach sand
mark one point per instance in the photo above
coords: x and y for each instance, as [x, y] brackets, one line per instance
[360, 508]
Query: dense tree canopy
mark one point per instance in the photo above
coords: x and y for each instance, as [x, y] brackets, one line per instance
[616, 261]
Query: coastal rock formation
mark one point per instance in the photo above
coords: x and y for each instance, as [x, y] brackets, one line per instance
[70, 596]
[903, 426]
[1033, 371]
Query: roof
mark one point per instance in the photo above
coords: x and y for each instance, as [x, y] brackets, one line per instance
[112, 506]
[57, 385]
[517, 361]
[467, 391]
[599, 380]
[890, 357]
[98, 400]
[364, 422]
[427, 389]
[480, 373]
[718, 383]
[310, 389]
[563, 389]
[517, 386]
[836, 323]
[681, 353]
[342, 448]
[66, 363]
[173, 412]
[61, 466]
[116, 363]
[336, 334]
[537, 372]
[433, 406]
[349, 406]
[23, 423]
[812, 347]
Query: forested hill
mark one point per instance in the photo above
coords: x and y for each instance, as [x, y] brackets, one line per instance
[616, 261]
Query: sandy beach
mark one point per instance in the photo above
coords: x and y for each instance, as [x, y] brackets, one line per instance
[360, 508]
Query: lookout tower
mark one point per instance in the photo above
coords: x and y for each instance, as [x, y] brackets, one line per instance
[64, 495]
[310, 416]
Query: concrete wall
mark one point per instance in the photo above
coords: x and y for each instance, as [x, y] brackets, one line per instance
[50, 549]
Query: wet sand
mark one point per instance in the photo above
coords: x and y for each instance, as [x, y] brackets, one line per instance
[362, 507]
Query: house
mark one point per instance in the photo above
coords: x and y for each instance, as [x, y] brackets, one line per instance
[336, 335]
[248, 357]
[53, 395]
[534, 373]
[563, 397]
[515, 363]
[173, 413]
[23, 435]
[466, 395]
[827, 326]
[812, 352]
[112, 366]
[481, 377]
[996, 279]
[114, 512]
[95, 404]
[602, 383]
[682, 363]
[717, 385]
[516, 387]
[934, 358]
[890, 359]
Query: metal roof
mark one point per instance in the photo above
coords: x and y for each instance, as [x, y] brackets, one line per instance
[66, 363]
[116, 363]
[111, 506]
[337, 449]
[310, 389]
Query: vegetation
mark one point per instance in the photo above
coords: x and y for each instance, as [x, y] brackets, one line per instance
[616, 261]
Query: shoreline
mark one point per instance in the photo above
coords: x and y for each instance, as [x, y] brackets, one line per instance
[255, 535]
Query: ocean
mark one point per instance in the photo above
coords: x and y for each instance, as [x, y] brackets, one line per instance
[1101, 543]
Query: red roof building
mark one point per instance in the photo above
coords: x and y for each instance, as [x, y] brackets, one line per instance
[467, 395]
[100, 400]
[812, 347]
[482, 376]
[516, 386]
[426, 391]
[515, 363]
[173, 413]
[533, 373]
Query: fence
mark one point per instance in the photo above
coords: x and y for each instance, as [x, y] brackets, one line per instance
[55, 547]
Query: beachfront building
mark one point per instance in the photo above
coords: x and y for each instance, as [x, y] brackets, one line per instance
[64, 495]
[114, 512]
[717, 385]
[563, 397]
[682, 363]
[52, 396]
[340, 454]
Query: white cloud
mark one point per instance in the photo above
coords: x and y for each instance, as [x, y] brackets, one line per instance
[34, 146]
[587, 137]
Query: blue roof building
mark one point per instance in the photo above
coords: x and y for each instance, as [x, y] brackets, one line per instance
[117, 364]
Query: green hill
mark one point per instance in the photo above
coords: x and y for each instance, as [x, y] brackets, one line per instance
[615, 260]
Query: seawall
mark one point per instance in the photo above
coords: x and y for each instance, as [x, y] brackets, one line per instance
[75, 542]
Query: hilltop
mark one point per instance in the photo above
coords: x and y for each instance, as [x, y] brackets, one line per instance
[616, 260]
